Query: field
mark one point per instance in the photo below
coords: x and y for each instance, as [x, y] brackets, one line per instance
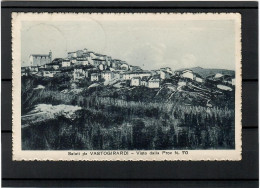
[110, 120]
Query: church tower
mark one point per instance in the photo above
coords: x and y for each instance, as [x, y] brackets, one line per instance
[50, 55]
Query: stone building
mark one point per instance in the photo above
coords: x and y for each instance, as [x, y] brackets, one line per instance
[94, 77]
[107, 75]
[135, 81]
[40, 59]
[153, 83]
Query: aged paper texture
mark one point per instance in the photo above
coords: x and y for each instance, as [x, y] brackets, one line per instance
[127, 87]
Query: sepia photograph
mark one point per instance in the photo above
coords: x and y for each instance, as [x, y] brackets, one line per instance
[127, 82]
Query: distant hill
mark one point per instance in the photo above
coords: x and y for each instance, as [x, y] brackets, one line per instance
[207, 72]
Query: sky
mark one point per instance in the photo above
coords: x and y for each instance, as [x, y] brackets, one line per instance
[146, 43]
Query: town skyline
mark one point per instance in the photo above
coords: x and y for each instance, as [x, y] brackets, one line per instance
[87, 64]
[171, 44]
[66, 56]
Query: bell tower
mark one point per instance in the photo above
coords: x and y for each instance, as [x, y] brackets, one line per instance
[50, 55]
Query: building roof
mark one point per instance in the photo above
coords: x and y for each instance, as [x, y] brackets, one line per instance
[187, 70]
[100, 55]
[41, 55]
[218, 75]
[117, 59]
[98, 59]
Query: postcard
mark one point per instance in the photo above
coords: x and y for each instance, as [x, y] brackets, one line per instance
[126, 86]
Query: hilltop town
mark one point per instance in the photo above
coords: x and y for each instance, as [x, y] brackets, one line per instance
[87, 64]
[101, 69]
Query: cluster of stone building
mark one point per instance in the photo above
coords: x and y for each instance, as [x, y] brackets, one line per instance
[87, 64]
[218, 77]
[83, 64]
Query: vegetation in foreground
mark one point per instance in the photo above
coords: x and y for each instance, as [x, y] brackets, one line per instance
[112, 120]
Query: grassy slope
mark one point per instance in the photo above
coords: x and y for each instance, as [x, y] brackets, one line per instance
[108, 121]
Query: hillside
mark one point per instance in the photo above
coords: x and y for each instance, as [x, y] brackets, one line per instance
[208, 72]
[115, 116]
[183, 93]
